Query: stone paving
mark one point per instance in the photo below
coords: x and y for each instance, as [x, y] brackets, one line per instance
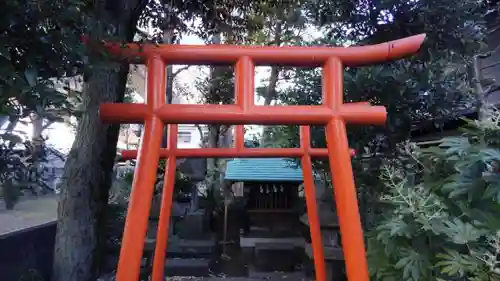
[269, 277]
[28, 213]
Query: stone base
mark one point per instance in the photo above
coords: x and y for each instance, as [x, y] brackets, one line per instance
[329, 252]
[191, 227]
[187, 249]
[277, 278]
[275, 257]
[334, 263]
[282, 276]
[251, 242]
[187, 267]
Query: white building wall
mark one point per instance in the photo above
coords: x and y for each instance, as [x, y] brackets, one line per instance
[189, 136]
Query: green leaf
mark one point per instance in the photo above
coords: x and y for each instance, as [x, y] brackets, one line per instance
[4, 52]
[31, 75]
[490, 154]
[413, 263]
[453, 263]
[462, 233]
[491, 191]
[402, 263]
[487, 217]
[455, 144]
[396, 227]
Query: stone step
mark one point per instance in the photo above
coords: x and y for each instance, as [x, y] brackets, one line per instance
[187, 267]
[272, 257]
[295, 276]
[273, 278]
[195, 278]
[189, 252]
[182, 248]
[261, 232]
[191, 249]
[206, 243]
[253, 276]
[250, 242]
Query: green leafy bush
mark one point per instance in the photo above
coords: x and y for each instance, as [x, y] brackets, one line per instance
[17, 170]
[443, 222]
[183, 183]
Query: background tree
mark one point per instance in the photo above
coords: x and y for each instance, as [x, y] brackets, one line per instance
[224, 23]
[40, 43]
[434, 85]
[283, 24]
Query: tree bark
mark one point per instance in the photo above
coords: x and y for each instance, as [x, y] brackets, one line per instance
[80, 238]
[38, 147]
[482, 106]
[271, 93]
[86, 182]
[213, 193]
[37, 139]
[169, 89]
[211, 178]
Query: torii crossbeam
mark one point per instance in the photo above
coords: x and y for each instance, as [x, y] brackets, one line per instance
[333, 114]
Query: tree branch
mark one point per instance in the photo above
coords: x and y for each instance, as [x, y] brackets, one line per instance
[180, 70]
[142, 33]
[491, 65]
[47, 125]
[200, 130]
[480, 94]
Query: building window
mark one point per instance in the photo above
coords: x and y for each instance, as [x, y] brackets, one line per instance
[185, 137]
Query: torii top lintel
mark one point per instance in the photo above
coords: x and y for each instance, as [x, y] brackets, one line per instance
[269, 55]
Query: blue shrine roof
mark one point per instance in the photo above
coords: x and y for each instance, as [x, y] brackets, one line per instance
[263, 169]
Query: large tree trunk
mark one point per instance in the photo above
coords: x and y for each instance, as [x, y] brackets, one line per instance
[86, 182]
[80, 238]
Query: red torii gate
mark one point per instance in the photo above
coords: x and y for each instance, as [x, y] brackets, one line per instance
[333, 114]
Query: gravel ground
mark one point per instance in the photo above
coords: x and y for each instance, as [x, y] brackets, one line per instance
[28, 213]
